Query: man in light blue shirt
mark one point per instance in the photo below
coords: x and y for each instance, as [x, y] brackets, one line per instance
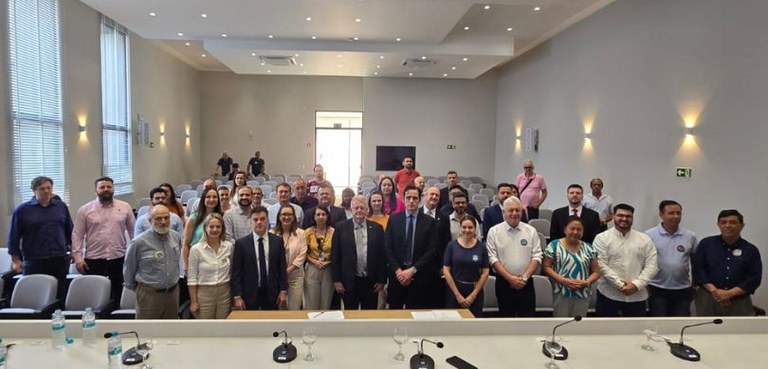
[670, 291]
[158, 197]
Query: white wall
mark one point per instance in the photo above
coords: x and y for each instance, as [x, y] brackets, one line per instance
[276, 115]
[638, 70]
[164, 89]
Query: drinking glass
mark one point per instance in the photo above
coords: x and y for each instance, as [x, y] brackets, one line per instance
[553, 348]
[400, 336]
[144, 350]
[308, 337]
[651, 331]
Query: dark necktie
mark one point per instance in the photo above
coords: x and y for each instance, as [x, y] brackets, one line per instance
[262, 264]
[575, 212]
[408, 260]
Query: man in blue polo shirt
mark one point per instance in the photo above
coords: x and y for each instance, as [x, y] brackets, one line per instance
[727, 269]
[670, 291]
[41, 234]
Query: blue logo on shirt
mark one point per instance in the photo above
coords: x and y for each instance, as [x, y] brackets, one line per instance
[524, 242]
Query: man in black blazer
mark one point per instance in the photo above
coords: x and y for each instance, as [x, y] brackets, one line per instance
[452, 179]
[412, 259]
[325, 198]
[359, 264]
[494, 214]
[252, 287]
[447, 209]
[589, 217]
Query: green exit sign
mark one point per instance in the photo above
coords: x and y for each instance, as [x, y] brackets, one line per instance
[682, 172]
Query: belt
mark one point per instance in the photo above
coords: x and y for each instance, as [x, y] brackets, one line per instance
[163, 290]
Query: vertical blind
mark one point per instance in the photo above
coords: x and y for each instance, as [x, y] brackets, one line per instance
[35, 89]
[116, 144]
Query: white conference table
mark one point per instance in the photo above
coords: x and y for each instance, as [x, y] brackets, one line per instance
[486, 343]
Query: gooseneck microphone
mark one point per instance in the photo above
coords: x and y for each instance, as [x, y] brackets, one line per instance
[683, 351]
[563, 354]
[131, 356]
[421, 360]
[286, 352]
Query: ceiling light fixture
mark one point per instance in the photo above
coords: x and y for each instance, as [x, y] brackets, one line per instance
[466, 28]
[338, 55]
[187, 44]
[314, 37]
[378, 67]
[203, 15]
[355, 38]
[269, 71]
[204, 56]
[253, 54]
[309, 19]
[295, 55]
[305, 72]
[509, 29]
[445, 74]
[262, 63]
[410, 74]
[270, 36]
[398, 39]
[464, 59]
[381, 56]
[152, 14]
[223, 35]
[179, 34]
[375, 73]
[537, 8]
[487, 7]
[358, 20]
[301, 65]
[453, 68]
[423, 57]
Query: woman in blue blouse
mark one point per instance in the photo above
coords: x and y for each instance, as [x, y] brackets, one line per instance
[466, 268]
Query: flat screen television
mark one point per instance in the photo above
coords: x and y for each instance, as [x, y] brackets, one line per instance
[390, 158]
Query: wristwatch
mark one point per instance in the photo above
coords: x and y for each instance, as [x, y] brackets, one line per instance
[525, 277]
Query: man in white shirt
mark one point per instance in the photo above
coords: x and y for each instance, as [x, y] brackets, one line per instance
[514, 251]
[627, 260]
[599, 202]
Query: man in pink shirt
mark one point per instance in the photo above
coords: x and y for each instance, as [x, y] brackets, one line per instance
[533, 189]
[103, 228]
[405, 176]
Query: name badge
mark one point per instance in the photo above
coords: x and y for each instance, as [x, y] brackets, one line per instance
[736, 252]
[159, 255]
[475, 258]
[524, 242]
[681, 248]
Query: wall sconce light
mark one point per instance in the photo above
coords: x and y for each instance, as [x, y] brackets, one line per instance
[162, 133]
[81, 128]
[689, 131]
[186, 135]
[588, 135]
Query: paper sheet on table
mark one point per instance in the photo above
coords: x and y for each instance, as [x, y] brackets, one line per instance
[435, 314]
[326, 315]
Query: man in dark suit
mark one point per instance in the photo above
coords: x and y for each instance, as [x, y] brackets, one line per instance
[259, 277]
[325, 198]
[589, 217]
[411, 246]
[494, 214]
[452, 178]
[359, 266]
[447, 209]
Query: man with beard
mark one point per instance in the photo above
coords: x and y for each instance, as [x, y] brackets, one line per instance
[102, 230]
[627, 260]
[404, 177]
[301, 195]
[494, 214]
[589, 218]
[237, 220]
[452, 179]
[158, 197]
[152, 268]
[346, 201]
[283, 199]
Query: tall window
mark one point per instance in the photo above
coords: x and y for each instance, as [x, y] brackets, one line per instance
[338, 141]
[35, 88]
[115, 92]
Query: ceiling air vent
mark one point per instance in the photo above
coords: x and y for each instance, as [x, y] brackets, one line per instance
[419, 63]
[278, 61]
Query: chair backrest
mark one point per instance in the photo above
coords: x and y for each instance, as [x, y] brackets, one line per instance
[191, 206]
[5, 260]
[541, 225]
[252, 183]
[487, 192]
[476, 186]
[545, 214]
[34, 291]
[200, 189]
[543, 241]
[269, 201]
[142, 210]
[478, 206]
[266, 188]
[127, 299]
[88, 291]
[543, 287]
[489, 295]
[183, 187]
[481, 197]
[188, 194]
[144, 201]
[277, 178]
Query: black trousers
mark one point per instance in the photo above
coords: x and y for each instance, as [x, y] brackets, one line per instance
[57, 267]
[533, 213]
[664, 302]
[606, 307]
[515, 303]
[465, 289]
[362, 296]
[112, 269]
[420, 294]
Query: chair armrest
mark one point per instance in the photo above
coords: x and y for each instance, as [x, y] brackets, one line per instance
[48, 310]
[758, 311]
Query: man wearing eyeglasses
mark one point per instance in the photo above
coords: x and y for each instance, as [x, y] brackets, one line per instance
[533, 189]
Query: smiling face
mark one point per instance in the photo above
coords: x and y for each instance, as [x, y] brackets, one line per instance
[730, 227]
[622, 220]
[213, 229]
[468, 228]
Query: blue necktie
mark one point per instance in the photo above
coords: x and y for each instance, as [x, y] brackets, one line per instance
[408, 260]
[262, 264]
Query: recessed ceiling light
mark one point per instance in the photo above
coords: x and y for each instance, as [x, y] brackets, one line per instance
[203, 15]
[204, 56]
[295, 55]
[537, 8]
[187, 44]
[358, 20]
[487, 7]
[381, 56]
[309, 19]
[179, 34]
[375, 73]
[269, 71]
[270, 36]
[339, 65]
[305, 72]
[445, 74]
[410, 74]
[223, 35]
[466, 28]
[378, 67]
[355, 38]
[262, 63]
[152, 14]
[509, 29]
[398, 39]
[301, 65]
[453, 68]
[253, 54]
[464, 59]
[314, 37]
[423, 57]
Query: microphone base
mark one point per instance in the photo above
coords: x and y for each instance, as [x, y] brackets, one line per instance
[684, 352]
[132, 357]
[285, 353]
[421, 361]
[562, 355]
